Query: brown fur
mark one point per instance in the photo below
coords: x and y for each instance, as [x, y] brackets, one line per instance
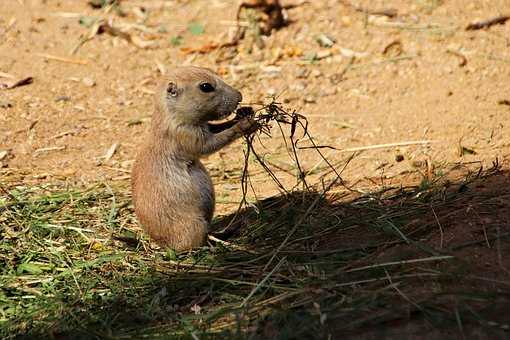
[172, 192]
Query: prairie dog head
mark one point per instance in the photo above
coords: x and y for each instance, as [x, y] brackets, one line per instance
[194, 96]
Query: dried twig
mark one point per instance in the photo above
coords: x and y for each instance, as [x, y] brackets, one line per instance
[371, 147]
[499, 20]
[12, 83]
[388, 12]
[63, 59]
[463, 60]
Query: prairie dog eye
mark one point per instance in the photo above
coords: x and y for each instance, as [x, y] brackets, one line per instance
[206, 87]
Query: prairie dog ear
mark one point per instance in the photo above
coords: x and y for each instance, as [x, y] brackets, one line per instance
[171, 89]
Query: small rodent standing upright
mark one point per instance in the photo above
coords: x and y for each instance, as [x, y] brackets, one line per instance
[173, 194]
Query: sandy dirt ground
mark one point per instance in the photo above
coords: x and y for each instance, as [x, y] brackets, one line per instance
[437, 82]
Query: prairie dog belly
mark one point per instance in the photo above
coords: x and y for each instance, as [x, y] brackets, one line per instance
[203, 186]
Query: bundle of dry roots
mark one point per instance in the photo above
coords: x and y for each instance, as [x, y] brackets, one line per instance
[292, 128]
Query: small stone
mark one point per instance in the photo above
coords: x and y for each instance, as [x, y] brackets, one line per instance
[69, 172]
[310, 100]
[399, 158]
[300, 86]
[230, 187]
[89, 82]
[346, 20]
[302, 73]
[3, 154]
[316, 73]
[127, 164]
[325, 40]
[271, 92]
[271, 69]
[62, 99]
[323, 54]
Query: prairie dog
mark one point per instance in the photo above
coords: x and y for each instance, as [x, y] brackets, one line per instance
[173, 194]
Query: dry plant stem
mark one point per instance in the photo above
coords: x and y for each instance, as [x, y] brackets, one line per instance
[499, 20]
[371, 147]
[394, 263]
[263, 281]
[389, 12]
[6, 192]
[63, 59]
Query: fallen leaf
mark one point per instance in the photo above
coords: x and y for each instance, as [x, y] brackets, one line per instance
[34, 268]
[196, 309]
[176, 40]
[97, 246]
[29, 268]
[196, 28]
[465, 151]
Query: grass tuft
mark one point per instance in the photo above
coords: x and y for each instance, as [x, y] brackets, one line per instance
[75, 264]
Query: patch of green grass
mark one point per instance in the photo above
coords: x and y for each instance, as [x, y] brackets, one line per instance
[74, 262]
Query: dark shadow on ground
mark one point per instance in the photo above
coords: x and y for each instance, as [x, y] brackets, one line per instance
[419, 262]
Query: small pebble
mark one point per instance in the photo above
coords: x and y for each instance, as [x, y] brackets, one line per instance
[346, 20]
[329, 91]
[316, 73]
[3, 154]
[399, 158]
[302, 73]
[310, 100]
[62, 99]
[300, 86]
[89, 82]
[325, 40]
[69, 172]
[323, 54]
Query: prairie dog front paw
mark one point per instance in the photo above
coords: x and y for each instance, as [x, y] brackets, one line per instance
[248, 125]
